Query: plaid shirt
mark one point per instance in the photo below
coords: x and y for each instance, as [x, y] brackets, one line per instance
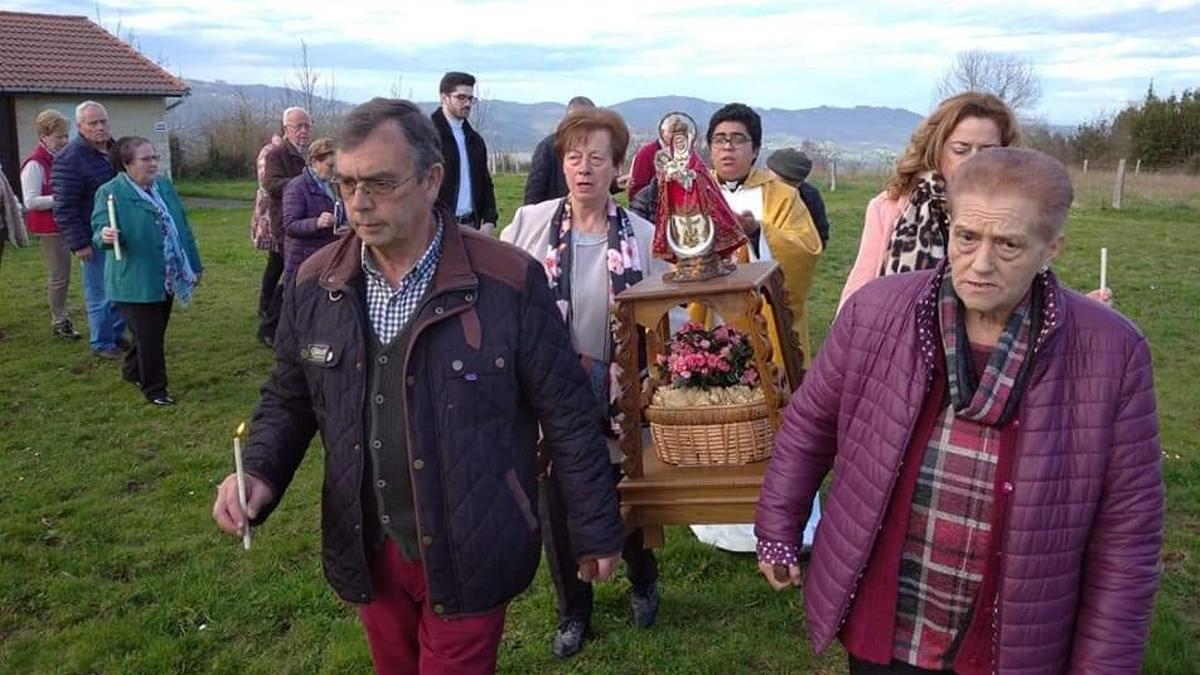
[390, 309]
[949, 529]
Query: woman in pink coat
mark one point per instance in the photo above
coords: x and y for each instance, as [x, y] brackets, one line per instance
[906, 224]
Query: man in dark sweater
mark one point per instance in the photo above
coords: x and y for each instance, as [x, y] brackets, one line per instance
[281, 164]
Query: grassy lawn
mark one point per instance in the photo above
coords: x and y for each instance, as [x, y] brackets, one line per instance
[217, 189]
[110, 563]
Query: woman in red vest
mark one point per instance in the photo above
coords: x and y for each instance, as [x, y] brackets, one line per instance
[35, 185]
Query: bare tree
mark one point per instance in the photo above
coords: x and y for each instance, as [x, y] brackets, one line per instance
[305, 89]
[304, 80]
[1013, 80]
[397, 89]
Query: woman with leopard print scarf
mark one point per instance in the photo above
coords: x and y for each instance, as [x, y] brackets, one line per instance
[906, 224]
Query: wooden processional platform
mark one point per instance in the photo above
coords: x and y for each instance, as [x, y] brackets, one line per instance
[654, 494]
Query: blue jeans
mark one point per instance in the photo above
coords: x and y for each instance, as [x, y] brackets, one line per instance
[105, 325]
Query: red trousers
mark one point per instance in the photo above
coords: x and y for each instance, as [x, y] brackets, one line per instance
[406, 637]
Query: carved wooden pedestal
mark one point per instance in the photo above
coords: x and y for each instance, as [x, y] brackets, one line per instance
[652, 493]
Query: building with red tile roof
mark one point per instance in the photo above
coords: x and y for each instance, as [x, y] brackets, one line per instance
[58, 61]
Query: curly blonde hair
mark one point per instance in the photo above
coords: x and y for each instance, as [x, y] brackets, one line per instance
[925, 147]
[50, 122]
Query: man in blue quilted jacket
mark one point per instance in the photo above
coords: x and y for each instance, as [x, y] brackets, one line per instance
[428, 356]
[82, 167]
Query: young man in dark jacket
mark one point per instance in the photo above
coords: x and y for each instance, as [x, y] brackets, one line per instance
[467, 189]
[81, 168]
[427, 356]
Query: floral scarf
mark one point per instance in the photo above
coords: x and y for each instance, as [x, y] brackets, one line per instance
[180, 279]
[919, 240]
[624, 270]
[993, 399]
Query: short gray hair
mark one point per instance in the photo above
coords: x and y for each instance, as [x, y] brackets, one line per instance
[291, 110]
[84, 106]
[418, 129]
[1019, 172]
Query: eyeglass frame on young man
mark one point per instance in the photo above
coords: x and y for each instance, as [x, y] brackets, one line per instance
[463, 98]
[371, 187]
[735, 140]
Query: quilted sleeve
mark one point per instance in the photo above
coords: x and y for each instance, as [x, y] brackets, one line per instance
[805, 445]
[297, 221]
[67, 186]
[553, 382]
[1121, 565]
[284, 423]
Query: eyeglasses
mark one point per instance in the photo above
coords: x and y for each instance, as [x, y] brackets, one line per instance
[735, 140]
[372, 187]
[463, 98]
[302, 125]
[148, 158]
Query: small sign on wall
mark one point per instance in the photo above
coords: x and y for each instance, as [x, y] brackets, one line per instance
[160, 127]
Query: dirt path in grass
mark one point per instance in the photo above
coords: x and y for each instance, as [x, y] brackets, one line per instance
[216, 203]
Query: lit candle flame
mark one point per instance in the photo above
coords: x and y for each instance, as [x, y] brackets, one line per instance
[241, 430]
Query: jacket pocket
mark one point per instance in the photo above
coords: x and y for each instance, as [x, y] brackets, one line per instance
[320, 358]
[522, 499]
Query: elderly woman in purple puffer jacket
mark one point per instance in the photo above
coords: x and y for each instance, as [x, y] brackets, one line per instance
[308, 209]
[997, 499]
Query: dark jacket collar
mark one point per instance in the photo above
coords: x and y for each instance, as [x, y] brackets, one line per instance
[454, 270]
[82, 145]
[443, 124]
[1054, 313]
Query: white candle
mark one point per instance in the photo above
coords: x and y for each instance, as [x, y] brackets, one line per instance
[241, 481]
[112, 222]
[1103, 268]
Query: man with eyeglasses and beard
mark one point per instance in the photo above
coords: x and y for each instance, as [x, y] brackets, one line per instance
[467, 188]
[427, 355]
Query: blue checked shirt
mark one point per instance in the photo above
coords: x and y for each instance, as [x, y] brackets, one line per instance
[390, 310]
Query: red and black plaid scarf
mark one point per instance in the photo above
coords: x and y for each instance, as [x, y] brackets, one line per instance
[992, 399]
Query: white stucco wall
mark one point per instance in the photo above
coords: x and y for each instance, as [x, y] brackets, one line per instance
[127, 115]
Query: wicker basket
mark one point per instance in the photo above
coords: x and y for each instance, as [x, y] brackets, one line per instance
[708, 435]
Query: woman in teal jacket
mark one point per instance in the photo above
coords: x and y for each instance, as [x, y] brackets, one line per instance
[158, 262]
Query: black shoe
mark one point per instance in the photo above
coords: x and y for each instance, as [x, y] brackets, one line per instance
[569, 639]
[644, 604]
[112, 353]
[65, 330]
[163, 400]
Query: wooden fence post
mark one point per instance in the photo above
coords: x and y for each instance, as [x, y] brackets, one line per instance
[1137, 168]
[1119, 186]
[1085, 166]
[833, 175]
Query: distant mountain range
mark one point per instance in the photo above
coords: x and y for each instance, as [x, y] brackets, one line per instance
[859, 132]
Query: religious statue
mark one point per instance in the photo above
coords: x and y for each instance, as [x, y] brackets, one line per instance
[694, 227]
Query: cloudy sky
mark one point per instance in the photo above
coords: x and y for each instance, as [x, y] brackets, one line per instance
[1092, 55]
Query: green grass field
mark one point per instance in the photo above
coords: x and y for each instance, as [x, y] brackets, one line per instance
[110, 563]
